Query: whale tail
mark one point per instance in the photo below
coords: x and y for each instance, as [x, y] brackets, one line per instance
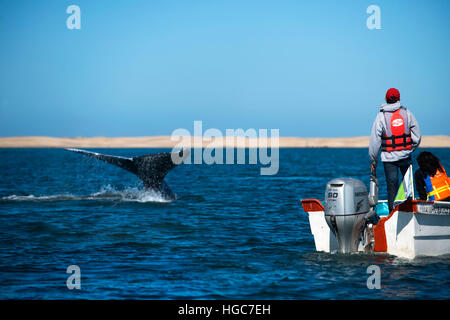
[151, 168]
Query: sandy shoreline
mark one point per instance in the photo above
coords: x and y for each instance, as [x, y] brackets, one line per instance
[166, 142]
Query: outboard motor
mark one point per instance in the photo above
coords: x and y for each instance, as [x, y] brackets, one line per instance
[346, 211]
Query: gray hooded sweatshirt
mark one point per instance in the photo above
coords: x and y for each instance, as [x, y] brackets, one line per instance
[378, 130]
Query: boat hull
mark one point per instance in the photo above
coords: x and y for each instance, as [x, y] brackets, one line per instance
[414, 228]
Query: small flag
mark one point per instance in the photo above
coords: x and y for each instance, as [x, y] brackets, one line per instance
[406, 189]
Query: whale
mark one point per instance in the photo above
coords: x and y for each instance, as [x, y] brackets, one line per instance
[150, 168]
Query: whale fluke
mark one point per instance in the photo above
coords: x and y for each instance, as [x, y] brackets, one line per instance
[151, 168]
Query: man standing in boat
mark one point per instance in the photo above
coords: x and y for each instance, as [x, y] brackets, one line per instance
[396, 133]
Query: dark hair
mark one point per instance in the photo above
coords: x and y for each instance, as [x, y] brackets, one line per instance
[429, 163]
[392, 99]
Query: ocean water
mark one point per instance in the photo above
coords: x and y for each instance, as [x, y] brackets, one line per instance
[231, 234]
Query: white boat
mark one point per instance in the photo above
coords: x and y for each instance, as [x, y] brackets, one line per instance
[413, 228]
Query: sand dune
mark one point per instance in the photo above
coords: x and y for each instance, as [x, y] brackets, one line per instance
[166, 142]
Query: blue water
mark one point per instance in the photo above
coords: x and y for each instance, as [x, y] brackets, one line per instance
[232, 233]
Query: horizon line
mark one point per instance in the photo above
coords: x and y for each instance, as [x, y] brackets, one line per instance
[432, 141]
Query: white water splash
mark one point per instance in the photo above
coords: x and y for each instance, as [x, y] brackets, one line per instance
[106, 193]
[129, 194]
[31, 197]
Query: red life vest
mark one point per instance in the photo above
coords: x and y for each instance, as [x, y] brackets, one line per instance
[397, 134]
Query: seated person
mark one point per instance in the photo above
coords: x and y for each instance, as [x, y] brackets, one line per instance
[432, 182]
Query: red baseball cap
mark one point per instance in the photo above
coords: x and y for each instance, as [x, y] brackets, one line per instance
[392, 95]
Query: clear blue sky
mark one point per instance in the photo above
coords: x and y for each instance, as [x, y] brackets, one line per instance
[140, 68]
